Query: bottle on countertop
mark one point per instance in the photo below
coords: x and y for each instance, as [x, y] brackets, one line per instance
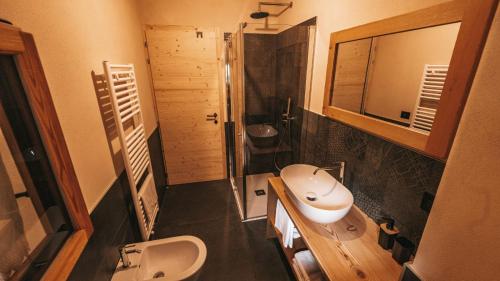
[387, 234]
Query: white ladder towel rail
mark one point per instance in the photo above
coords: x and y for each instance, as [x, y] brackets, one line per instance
[125, 102]
[429, 95]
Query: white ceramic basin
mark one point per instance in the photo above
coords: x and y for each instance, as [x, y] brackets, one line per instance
[320, 198]
[169, 259]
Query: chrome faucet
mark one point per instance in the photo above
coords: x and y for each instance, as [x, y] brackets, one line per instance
[339, 164]
[323, 169]
[286, 116]
[124, 254]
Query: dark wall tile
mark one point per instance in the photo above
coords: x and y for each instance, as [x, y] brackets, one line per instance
[260, 84]
[115, 222]
[275, 70]
[291, 63]
[236, 250]
[158, 163]
[386, 180]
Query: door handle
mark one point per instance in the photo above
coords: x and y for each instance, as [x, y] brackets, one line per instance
[212, 117]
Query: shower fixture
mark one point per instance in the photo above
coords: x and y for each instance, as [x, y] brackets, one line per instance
[259, 15]
[265, 15]
[286, 116]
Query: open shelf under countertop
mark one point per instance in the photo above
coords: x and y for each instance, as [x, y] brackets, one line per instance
[351, 253]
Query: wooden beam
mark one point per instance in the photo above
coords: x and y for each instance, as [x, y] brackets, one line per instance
[11, 41]
[444, 13]
[38, 94]
[401, 135]
[63, 264]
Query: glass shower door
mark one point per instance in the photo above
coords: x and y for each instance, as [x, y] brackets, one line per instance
[235, 108]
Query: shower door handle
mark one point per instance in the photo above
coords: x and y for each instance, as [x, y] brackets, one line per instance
[212, 117]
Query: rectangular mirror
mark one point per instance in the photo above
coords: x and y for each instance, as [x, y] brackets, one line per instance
[406, 78]
[397, 77]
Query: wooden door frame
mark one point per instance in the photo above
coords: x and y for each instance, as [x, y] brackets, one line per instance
[22, 46]
[220, 75]
[219, 40]
[236, 99]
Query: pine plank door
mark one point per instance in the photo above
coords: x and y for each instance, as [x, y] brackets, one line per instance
[185, 67]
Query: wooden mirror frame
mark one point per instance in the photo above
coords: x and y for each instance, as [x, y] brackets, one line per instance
[475, 18]
[21, 45]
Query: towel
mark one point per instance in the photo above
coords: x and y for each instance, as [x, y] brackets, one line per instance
[308, 266]
[285, 225]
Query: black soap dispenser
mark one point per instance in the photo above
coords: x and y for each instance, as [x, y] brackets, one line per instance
[387, 233]
[402, 250]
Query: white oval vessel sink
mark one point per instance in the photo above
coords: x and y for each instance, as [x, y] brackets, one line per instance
[320, 198]
[169, 259]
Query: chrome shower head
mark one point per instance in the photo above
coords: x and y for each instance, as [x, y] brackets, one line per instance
[259, 15]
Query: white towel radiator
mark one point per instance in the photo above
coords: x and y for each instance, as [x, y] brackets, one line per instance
[124, 98]
[429, 96]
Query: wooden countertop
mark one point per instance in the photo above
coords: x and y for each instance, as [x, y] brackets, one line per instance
[351, 252]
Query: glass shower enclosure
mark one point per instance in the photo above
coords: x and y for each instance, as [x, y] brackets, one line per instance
[268, 81]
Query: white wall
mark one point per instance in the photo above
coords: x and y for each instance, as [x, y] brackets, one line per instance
[224, 14]
[461, 241]
[74, 38]
[335, 15]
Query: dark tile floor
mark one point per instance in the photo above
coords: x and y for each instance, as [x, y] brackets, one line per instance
[237, 251]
